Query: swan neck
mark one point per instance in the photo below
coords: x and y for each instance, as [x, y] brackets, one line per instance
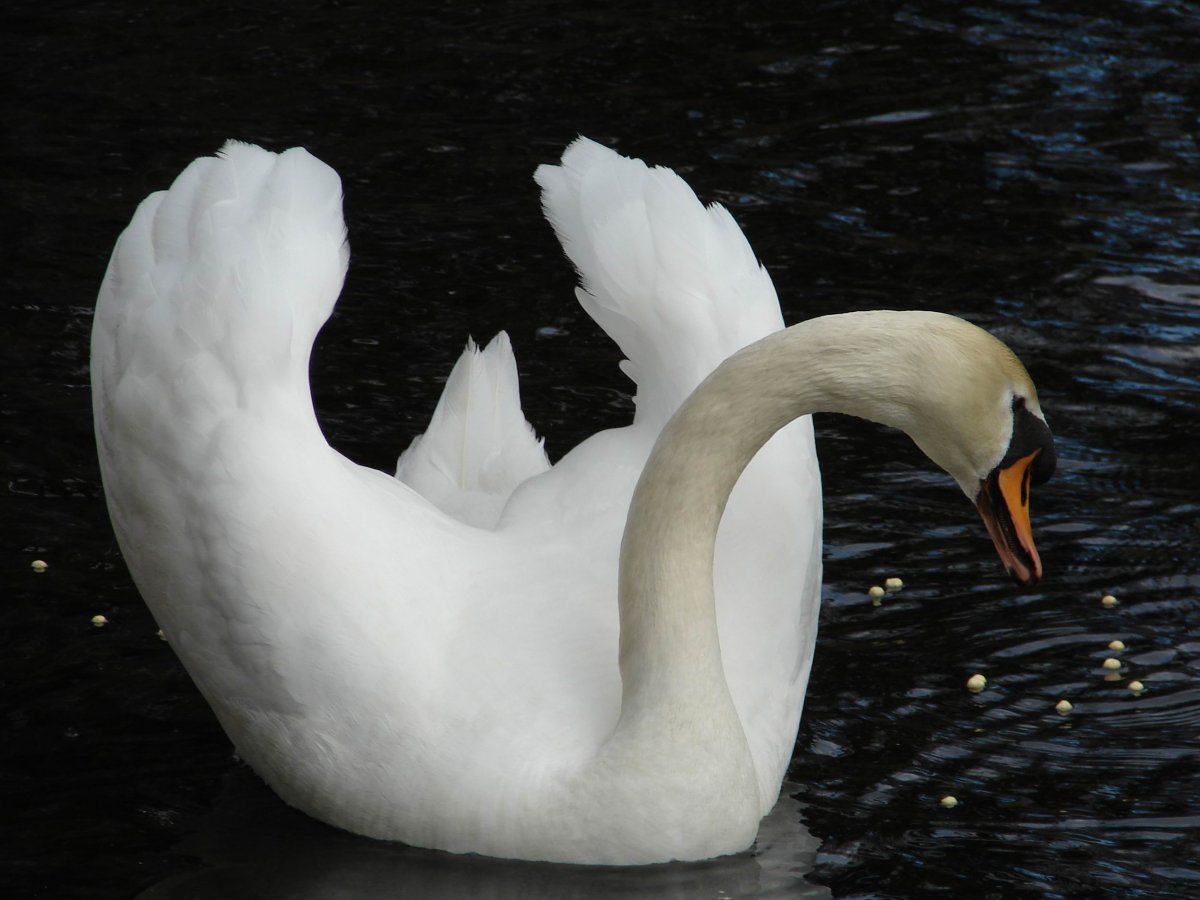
[669, 646]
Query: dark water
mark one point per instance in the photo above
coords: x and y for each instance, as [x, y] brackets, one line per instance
[1031, 167]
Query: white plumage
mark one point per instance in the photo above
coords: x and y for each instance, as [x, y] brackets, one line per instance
[601, 661]
[428, 665]
[478, 447]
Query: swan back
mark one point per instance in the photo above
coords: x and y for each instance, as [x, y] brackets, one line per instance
[384, 666]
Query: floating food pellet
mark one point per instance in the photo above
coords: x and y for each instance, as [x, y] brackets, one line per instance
[876, 592]
[1109, 601]
[1111, 663]
[99, 621]
[1062, 707]
[949, 801]
[976, 683]
[38, 565]
[1136, 686]
[1116, 645]
[893, 584]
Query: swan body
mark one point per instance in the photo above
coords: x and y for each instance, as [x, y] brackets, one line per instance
[470, 656]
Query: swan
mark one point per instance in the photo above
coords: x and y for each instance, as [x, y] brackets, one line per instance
[601, 661]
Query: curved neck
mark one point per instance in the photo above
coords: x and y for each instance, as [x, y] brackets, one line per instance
[679, 754]
[669, 650]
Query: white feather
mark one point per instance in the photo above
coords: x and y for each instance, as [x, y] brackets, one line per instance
[478, 447]
[674, 283]
[385, 666]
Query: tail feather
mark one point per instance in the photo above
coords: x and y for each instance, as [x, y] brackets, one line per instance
[673, 282]
[478, 446]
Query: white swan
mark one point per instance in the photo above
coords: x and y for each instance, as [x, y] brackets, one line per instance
[447, 668]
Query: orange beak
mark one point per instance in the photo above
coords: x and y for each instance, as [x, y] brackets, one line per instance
[1004, 504]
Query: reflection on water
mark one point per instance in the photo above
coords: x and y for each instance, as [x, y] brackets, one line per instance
[254, 847]
[1030, 166]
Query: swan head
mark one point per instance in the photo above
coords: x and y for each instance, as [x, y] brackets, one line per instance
[1002, 496]
[978, 417]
